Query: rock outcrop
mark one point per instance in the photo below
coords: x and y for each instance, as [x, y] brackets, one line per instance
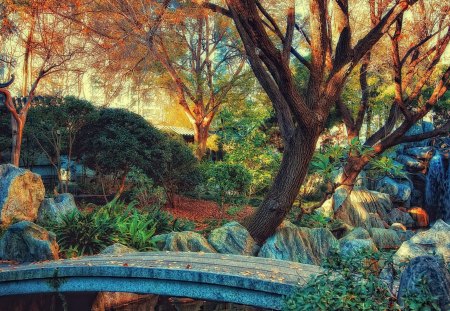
[304, 245]
[385, 238]
[398, 190]
[350, 248]
[54, 208]
[396, 215]
[365, 209]
[420, 217]
[27, 242]
[117, 249]
[435, 241]
[186, 241]
[426, 274]
[21, 194]
[233, 238]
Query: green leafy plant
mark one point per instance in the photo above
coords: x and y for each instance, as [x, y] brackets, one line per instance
[83, 233]
[348, 283]
[227, 182]
[144, 191]
[421, 299]
[181, 224]
[385, 165]
[315, 220]
[137, 231]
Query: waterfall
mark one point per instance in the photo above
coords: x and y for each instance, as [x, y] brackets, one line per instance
[437, 190]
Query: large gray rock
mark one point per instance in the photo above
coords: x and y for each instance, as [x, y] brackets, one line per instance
[233, 238]
[323, 243]
[21, 194]
[117, 249]
[304, 245]
[426, 274]
[411, 163]
[356, 233]
[289, 243]
[420, 152]
[363, 208]
[52, 209]
[350, 248]
[398, 216]
[399, 191]
[385, 238]
[435, 241]
[186, 241]
[27, 242]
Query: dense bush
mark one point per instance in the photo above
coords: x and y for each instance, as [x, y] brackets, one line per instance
[226, 181]
[118, 142]
[179, 171]
[144, 191]
[353, 283]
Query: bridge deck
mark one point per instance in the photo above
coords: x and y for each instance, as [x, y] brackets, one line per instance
[252, 281]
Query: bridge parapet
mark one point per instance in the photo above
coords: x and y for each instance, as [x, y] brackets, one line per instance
[253, 281]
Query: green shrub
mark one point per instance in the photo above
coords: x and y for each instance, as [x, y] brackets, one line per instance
[317, 220]
[179, 171]
[144, 191]
[421, 299]
[137, 231]
[83, 233]
[227, 182]
[346, 284]
[181, 224]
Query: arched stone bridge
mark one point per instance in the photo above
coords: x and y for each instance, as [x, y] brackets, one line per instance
[253, 281]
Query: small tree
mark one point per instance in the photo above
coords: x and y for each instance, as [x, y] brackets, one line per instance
[227, 180]
[118, 140]
[179, 171]
[54, 125]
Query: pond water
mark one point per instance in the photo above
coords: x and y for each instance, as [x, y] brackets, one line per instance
[112, 302]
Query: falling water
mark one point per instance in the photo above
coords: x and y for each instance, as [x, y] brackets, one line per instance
[437, 191]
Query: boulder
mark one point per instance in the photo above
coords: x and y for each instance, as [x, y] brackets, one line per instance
[323, 243]
[27, 242]
[289, 243]
[420, 152]
[420, 217]
[435, 241]
[186, 241]
[399, 191]
[411, 163]
[54, 208]
[233, 238]
[399, 227]
[385, 238]
[355, 234]
[405, 235]
[117, 249]
[352, 247]
[326, 209]
[357, 208]
[398, 216]
[425, 274]
[21, 194]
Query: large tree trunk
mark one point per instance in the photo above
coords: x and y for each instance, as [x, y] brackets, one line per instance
[281, 196]
[200, 139]
[352, 168]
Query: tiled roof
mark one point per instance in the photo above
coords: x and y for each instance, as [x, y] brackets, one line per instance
[185, 131]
